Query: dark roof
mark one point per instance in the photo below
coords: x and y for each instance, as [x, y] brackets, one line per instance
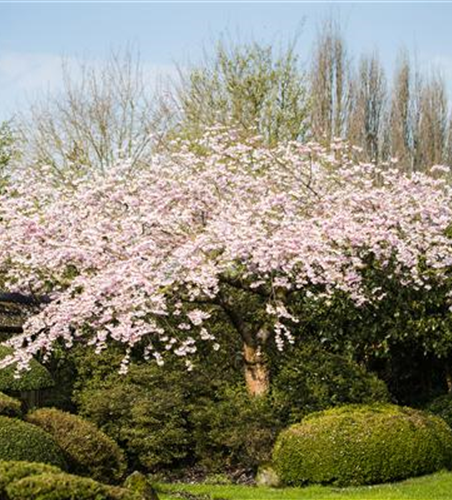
[12, 317]
[14, 308]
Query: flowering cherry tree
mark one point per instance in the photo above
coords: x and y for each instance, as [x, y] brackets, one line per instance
[144, 258]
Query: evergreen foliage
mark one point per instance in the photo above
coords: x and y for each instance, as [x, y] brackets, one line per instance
[23, 441]
[357, 445]
[88, 451]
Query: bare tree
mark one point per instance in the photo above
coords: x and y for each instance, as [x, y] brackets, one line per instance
[104, 112]
[420, 118]
[8, 144]
[401, 112]
[448, 153]
[431, 123]
[368, 117]
[330, 88]
[10, 150]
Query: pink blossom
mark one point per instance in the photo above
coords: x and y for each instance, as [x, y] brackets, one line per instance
[129, 257]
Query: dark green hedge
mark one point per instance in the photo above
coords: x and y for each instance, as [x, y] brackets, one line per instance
[310, 379]
[34, 379]
[23, 441]
[354, 445]
[144, 411]
[88, 451]
[233, 430]
[65, 487]
[442, 406]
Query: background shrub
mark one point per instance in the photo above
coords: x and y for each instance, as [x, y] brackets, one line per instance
[34, 379]
[65, 487]
[147, 411]
[14, 471]
[23, 441]
[88, 451]
[311, 379]
[197, 421]
[207, 417]
[442, 406]
[144, 411]
[9, 406]
[232, 429]
[363, 445]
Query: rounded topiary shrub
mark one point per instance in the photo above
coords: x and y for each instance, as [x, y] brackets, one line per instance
[65, 487]
[9, 406]
[14, 471]
[23, 441]
[87, 450]
[355, 445]
[34, 379]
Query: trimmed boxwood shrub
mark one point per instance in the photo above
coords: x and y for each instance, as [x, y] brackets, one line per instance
[23, 441]
[34, 379]
[65, 487]
[356, 445]
[87, 450]
[9, 406]
[14, 471]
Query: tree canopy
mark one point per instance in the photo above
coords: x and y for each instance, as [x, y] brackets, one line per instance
[217, 223]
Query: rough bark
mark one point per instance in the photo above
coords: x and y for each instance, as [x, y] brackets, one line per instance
[257, 376]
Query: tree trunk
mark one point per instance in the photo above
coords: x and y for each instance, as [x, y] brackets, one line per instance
[257, 375]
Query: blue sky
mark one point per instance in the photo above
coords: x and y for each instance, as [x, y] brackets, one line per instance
[34, 36]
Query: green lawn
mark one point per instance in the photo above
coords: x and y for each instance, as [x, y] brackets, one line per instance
[435, 487]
